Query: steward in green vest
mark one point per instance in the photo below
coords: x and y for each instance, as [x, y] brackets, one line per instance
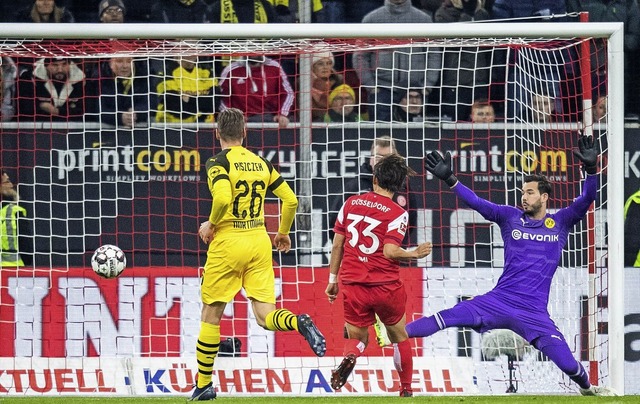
[632, 231]
[10, 213]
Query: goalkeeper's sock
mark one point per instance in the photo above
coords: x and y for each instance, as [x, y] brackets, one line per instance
[206, 351]
[354, 347]
[581, 379]
[423, 327]
[562, 356]
[281, 320]
[403, 361]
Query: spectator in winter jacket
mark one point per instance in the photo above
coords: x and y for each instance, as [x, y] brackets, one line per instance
[410, 107]
[8, 74]
[124, 92]
[258, 86]
[44, 11]
[555, 65]
[180, 11]
[55, 92]
[386, 73]
[627, 12]
[323, 79]
[509, 9]
[466, 70]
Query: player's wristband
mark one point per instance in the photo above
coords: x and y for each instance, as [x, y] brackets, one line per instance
[333, 278]
[451, 181]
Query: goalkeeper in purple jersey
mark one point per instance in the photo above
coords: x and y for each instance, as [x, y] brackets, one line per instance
[533, 243]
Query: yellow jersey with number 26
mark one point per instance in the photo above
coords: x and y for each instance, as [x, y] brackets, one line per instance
[239, 180]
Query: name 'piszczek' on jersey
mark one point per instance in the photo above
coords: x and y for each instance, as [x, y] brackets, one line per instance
[241, 179]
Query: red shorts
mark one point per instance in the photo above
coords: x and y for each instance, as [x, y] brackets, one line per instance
[363, 302]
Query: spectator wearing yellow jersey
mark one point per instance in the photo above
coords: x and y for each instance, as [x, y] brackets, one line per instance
[187, 93]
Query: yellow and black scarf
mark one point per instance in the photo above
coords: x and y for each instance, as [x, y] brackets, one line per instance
[228, 14]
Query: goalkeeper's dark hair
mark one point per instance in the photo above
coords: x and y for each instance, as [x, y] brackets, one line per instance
[544, 186]
[391, 172]
[231, 124]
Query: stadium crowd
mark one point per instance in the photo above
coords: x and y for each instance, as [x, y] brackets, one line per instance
[437, 84]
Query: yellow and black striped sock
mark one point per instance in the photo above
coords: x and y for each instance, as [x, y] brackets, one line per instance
[282, 320]
[206, 351]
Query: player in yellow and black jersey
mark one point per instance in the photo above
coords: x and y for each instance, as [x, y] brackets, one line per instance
[239, 254]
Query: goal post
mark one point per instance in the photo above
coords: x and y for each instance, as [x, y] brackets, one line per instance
[141, 188]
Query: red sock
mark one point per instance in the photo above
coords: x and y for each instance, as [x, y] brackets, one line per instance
[405, 360]
[353, 346]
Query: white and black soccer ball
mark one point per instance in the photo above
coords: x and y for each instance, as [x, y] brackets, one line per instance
[108, 261]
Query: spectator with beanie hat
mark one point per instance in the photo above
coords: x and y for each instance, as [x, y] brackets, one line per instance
[323, 79]
[342, 108]
[111, 11]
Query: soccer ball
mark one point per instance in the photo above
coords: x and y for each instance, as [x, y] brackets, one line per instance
[108, 261]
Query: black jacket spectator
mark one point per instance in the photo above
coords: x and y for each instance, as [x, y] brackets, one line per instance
[180, 11]
[123, 86]
[8, 75]
[55, 92]
[44, 13]
[466, 70]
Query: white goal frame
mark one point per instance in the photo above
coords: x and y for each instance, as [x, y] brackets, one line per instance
[612, 32]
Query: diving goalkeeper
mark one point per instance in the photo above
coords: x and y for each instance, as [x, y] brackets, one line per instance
[533, 243]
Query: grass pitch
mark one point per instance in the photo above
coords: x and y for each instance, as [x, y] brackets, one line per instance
[511, 399]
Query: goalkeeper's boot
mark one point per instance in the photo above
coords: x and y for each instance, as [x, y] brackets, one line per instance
[312, 334]
[341, 373]
[406, 393]
[381, 333]
[599, 391]
[205, 393]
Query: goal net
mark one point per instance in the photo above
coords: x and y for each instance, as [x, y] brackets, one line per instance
[110, 131]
